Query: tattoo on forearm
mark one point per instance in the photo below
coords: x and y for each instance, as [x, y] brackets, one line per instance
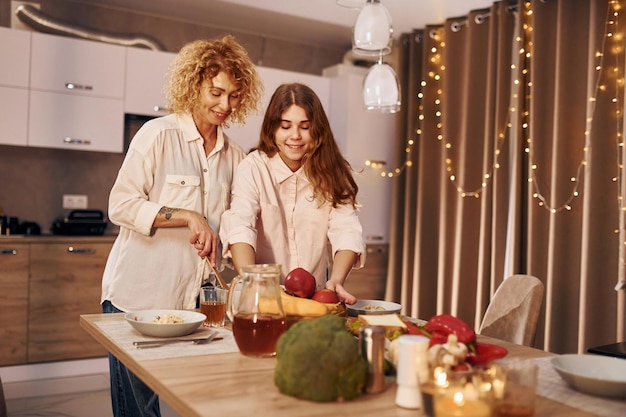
[167, 212]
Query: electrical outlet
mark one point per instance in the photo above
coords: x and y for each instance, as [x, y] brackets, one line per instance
[74, 201]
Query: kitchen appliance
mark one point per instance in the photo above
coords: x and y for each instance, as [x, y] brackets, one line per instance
[80, 222]
[9, 225]
[29, 228]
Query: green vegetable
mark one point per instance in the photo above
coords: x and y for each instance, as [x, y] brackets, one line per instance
[319, 360]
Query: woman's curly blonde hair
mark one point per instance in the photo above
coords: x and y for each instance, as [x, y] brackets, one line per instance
[202, 60]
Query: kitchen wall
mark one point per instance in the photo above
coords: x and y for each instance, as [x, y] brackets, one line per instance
[33, 180]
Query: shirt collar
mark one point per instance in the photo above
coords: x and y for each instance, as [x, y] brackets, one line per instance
[190, 131]
[282, 171]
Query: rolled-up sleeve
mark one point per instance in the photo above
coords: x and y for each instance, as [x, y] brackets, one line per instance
[345, 232]
[238, 224]
[129, 204]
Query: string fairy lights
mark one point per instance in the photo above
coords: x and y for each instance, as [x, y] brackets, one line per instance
[519, 118]
[612, 42]
[615, 36]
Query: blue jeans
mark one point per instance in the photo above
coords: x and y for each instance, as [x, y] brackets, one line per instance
[130, 397]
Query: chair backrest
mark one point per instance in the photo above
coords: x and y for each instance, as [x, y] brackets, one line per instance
[514, 309]
[3, 405]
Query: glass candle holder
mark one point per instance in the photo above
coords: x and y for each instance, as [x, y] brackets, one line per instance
[461, 401]
[457, 393]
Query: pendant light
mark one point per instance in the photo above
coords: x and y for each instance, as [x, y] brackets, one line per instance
[351, 4]
[372, 33]
[381, 90]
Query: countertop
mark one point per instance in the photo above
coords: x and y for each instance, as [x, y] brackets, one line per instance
[47, 238]
[211, 380]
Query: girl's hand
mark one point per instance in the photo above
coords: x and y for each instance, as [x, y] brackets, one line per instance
[344, 296]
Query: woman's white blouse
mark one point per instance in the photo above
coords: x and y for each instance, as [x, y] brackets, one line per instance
[166, 165]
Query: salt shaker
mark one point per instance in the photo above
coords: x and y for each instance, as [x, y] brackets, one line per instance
[372, 340]
[412, 366]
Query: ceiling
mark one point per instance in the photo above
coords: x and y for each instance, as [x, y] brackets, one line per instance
[312, 21]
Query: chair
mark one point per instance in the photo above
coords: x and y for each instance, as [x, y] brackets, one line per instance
[3, 405]
[513, 311]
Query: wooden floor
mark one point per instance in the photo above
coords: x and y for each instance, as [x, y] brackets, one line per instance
[74, 396]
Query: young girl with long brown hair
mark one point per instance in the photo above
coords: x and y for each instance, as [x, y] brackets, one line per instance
[294, 194]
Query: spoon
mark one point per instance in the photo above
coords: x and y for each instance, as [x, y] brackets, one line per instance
[223, 283]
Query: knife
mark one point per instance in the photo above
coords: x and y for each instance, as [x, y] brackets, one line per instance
[157, 343]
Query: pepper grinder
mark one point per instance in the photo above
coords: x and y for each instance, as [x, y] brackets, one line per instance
[412, 366]
[373, 349]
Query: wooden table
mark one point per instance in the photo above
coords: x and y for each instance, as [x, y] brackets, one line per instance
[231, 384]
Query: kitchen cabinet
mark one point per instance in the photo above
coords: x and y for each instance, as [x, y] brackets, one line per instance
[364, 135]
[13, 302]
[146, 73]
[13, 116]
[76, 94]
[369, 282]
[14, 75]
[77, 67]
[15, 52]
[76, 123]
[65, 282]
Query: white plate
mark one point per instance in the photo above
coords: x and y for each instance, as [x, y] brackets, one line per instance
[360, 307]
[593, 374]
[142, 321]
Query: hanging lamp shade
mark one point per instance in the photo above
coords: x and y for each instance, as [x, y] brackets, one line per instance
[372, 33]
[351, 4]
[381, 90]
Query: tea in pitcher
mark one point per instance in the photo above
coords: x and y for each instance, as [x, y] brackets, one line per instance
[256, 335]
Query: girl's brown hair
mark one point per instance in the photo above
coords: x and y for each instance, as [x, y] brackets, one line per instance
[200, 60]
[326, 168]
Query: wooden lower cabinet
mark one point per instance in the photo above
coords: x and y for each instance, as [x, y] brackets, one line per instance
[370, 281]
[65, 282]
[13, 303]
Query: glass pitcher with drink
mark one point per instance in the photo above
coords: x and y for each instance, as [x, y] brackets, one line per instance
[255, 309]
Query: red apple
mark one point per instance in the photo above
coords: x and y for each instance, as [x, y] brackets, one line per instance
[326, 296]
[300, 282]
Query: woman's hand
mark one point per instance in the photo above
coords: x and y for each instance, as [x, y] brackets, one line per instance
[342, 294]
[203, 238]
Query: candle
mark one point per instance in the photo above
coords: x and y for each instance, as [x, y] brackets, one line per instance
[432, 386]
[458, 404]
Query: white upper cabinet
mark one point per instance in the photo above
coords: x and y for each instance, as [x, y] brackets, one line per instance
[13, 116]
[146, 77]
[77, 123]
[14, 72]
[77, 66]
[76, 94]
[15, 53]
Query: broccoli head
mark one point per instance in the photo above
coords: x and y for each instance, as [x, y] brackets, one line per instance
[319, 360]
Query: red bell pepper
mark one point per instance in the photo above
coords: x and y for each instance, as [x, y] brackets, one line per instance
[485, 353]
[447, 324]
[412, 328]
[437, 338]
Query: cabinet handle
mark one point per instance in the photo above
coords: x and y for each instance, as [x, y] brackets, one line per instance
[159, 108]
[73, 141]
[376, 250]
[73, 86]
[8, 251]
[81, 251]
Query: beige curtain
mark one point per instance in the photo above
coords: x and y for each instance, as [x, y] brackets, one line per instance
[513, 121]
